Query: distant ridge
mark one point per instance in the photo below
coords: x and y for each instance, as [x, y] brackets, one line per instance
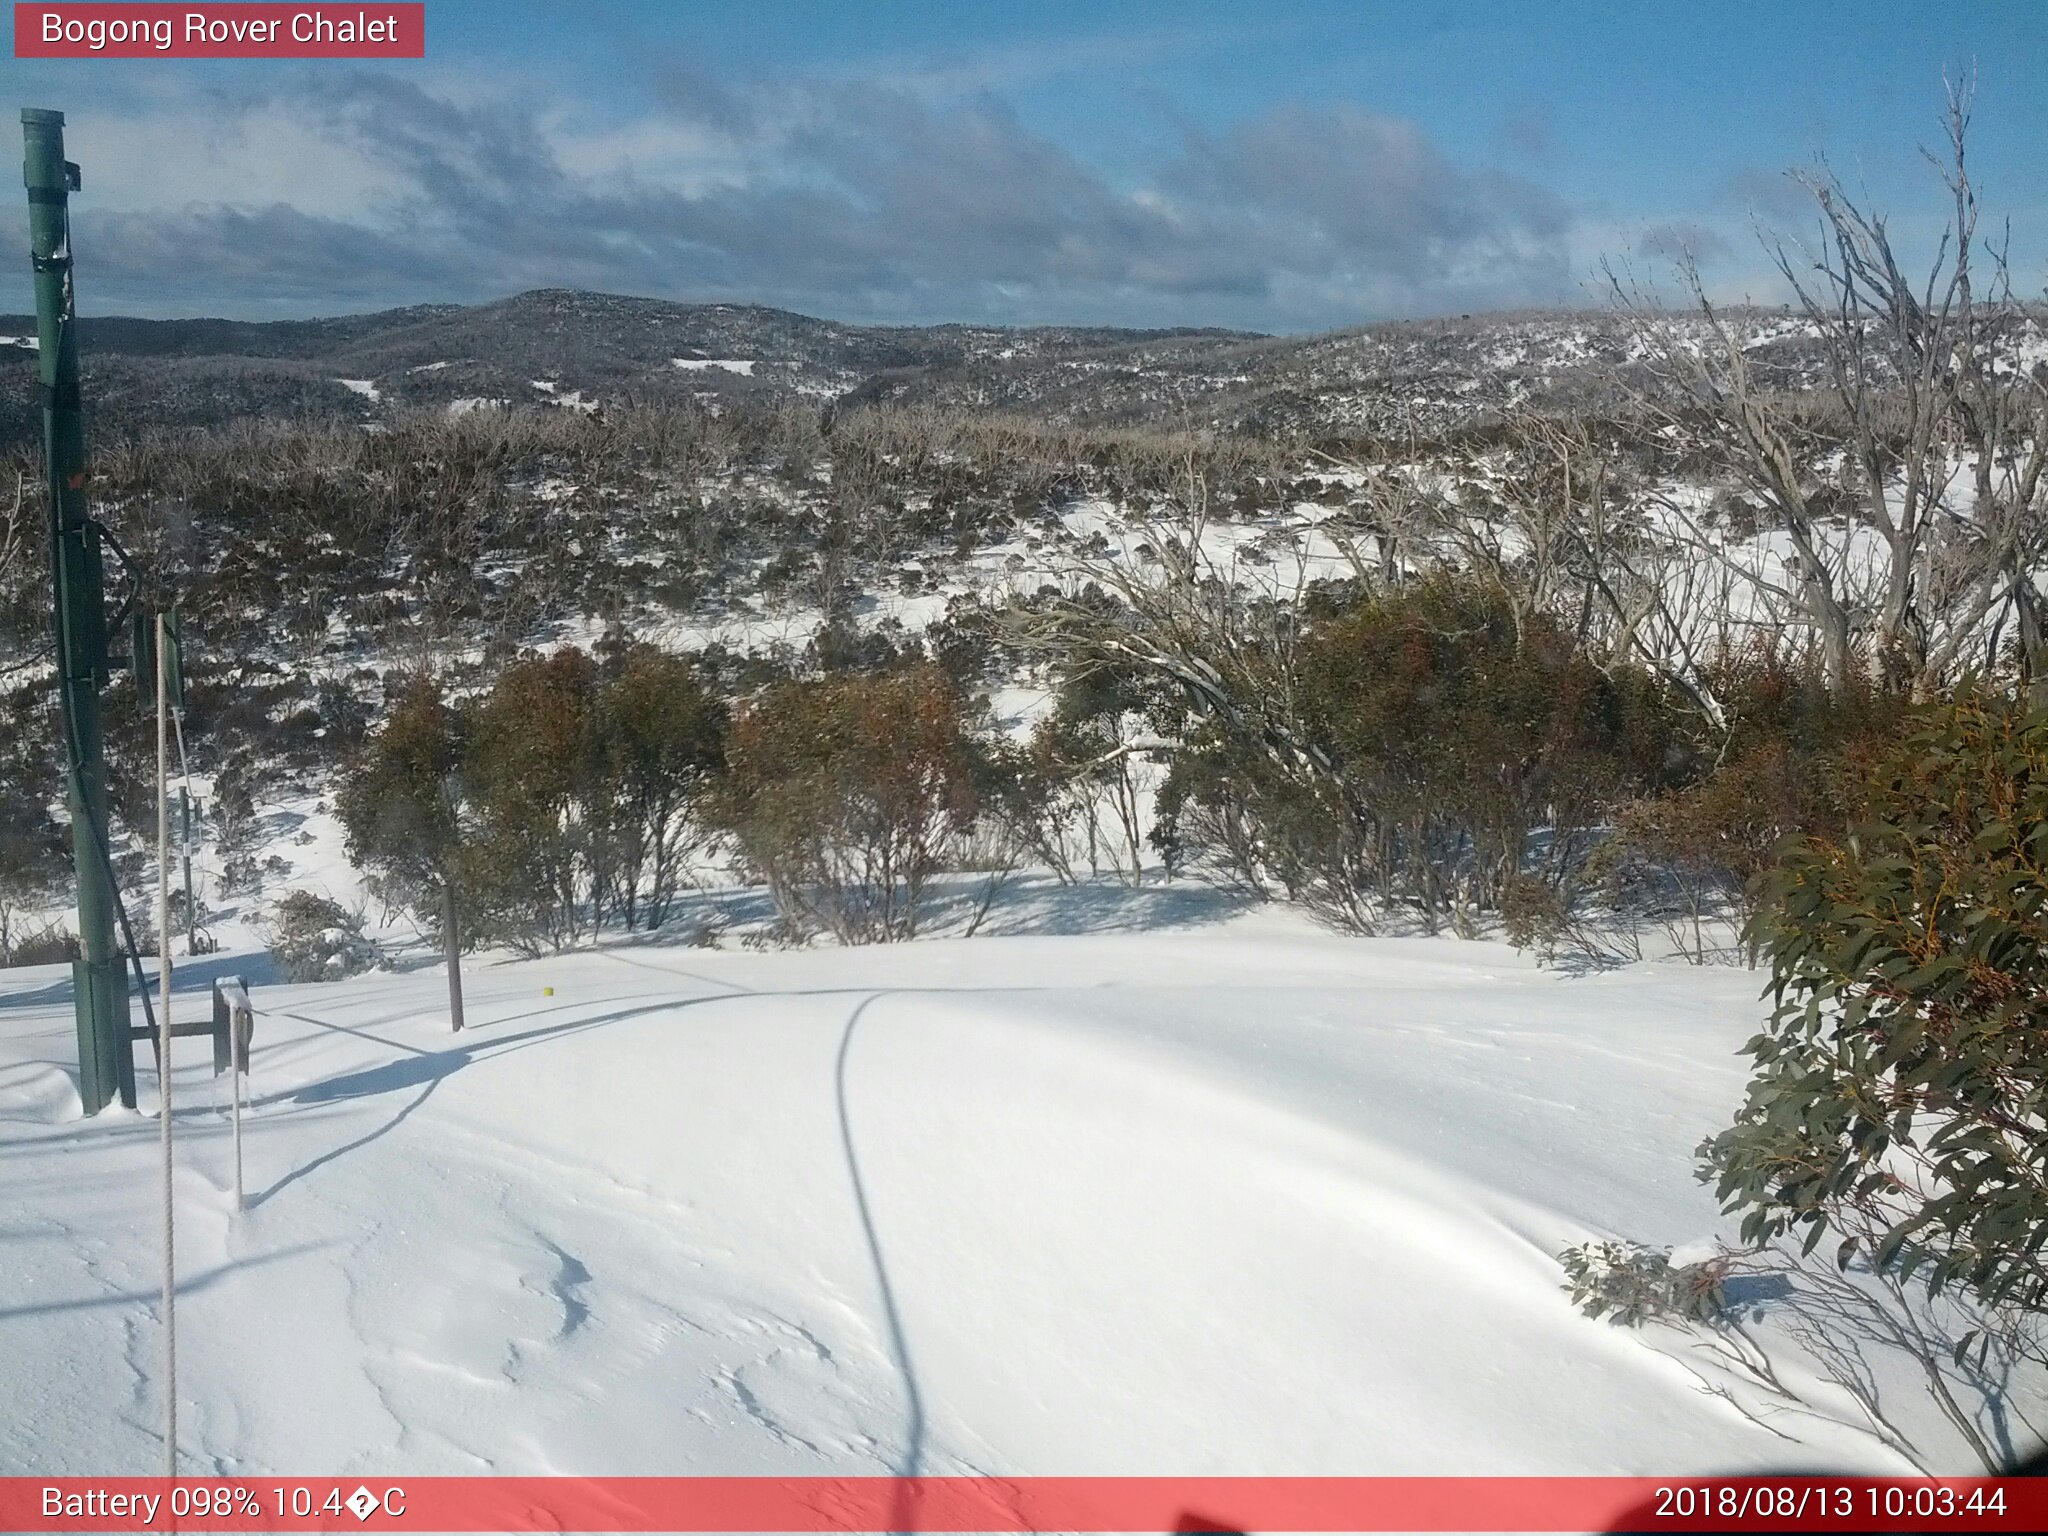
[565, 348]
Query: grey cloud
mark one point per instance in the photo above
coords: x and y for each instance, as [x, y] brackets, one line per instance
[692, 93]
[1526, 131]
[1373, 195]
[865, 202]
[1774, 196]
[273, 254]
[1682, 240]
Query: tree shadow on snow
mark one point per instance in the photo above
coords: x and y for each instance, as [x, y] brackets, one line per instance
[189, 973]
[1034, 904]
[425, 1070]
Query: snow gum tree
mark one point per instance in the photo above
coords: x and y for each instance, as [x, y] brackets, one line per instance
[399, 801]
[661, 745]
[532, 766]
[1421, 739]
[1088, 746]
[847, 794]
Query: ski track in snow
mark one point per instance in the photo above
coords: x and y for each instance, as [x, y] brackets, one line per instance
[1249, 1198]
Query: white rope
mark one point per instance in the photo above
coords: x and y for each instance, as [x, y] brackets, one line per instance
[163, 1057]
[185, 827]
[235, 1075]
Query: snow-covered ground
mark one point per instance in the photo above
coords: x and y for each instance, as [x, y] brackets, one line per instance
[1225, 1195]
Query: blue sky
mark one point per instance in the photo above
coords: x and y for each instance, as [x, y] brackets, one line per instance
[1278, 167]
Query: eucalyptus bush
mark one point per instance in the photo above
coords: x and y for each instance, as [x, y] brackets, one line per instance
[846, 795]
[1899, 1102]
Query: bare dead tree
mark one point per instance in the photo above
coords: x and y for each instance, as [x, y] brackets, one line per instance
[1913, 507]
[13, 533]
[1227, 636]
[15, 560]
[1553, 519]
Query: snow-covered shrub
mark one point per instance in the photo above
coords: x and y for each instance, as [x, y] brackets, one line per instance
[1534, 914]
[1629, 1284]
[49, 945]
[1828, 1319]
[313, 938]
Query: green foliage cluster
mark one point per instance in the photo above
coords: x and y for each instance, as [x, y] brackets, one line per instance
[1629, 1284]
[1442, 728]
[1899, 1101]
[1441, 748]
[397, 799]
[846, 795]
[1470, 725]
[585, 781]
[1791, 754]
[572, 791]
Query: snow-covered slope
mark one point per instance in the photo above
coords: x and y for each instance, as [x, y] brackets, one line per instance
[1237, 1198]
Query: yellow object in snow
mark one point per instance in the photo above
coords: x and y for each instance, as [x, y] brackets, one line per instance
[547, 991]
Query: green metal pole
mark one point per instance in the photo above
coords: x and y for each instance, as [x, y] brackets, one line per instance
[105, 1057]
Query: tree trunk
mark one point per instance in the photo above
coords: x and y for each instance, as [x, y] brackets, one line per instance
[451, 947]
[2032, 647]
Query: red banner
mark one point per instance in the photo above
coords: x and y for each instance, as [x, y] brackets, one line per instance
[102, 29]
[1120, 1504]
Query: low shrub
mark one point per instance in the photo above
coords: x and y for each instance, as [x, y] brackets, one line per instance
[314, 938]
[1630, 1284]
[52, 945]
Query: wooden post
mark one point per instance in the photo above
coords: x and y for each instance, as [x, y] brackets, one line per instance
[451, 947]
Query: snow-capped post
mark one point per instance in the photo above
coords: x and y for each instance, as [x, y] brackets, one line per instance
[234, 1017]
[235, 1082]
[99, 992]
